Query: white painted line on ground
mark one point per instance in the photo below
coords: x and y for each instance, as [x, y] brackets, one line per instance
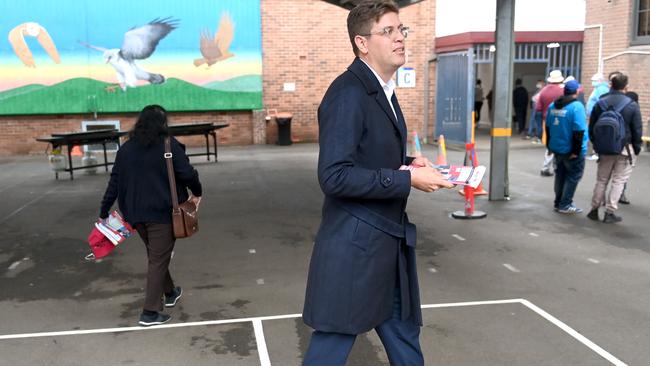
[260, 281]
[261, 343]
[17, 211]
[471, 303]
[458, 237]
[14, 265]
[533, 234]
[433, 270]
[582, 339]
[511, 267]
[134, 329]
[596, 261]
[252, 251]
[220, 322]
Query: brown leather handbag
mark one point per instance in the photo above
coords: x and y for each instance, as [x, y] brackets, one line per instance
[185, 217]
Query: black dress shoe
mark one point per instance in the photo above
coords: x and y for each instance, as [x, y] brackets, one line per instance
[624, 200]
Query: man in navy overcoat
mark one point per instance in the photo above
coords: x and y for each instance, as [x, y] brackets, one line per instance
[362, 274]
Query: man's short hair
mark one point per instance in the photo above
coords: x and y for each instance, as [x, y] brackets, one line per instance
[611, 75]
[364, 15]
[518, 82]
[478, 81]
[619, 81]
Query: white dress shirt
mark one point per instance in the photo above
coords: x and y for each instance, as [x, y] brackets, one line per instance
[389, 88]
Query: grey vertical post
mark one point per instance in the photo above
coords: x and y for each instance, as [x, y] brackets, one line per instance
[502, 100]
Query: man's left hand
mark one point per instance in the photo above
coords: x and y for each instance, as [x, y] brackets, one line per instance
[421, 161]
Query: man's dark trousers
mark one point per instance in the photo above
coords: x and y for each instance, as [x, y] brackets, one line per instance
[568, 173]
[477, 111]
[400, 339]
[520, 117]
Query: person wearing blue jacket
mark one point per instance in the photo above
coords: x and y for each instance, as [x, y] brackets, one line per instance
[567, 136]
[601, 87]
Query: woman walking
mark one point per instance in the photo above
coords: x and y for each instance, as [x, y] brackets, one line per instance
[139, 182]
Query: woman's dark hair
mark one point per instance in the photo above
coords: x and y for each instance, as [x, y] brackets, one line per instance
[150, 126]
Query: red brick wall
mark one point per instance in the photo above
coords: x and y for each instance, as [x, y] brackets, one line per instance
[306, 42]
[616, 18]
[303, 42]
[19, 132]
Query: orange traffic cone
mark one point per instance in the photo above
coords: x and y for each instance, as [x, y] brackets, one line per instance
[76, 151]
[442, 151]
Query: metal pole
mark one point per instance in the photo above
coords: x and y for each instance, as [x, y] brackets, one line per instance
[502, 100]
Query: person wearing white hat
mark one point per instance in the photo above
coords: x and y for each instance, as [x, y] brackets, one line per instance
[553, 90]
[601, 87]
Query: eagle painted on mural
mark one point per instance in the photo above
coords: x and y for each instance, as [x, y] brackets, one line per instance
[215, 48]
[139, 43]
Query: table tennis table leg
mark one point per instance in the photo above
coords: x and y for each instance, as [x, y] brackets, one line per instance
[214, 139]
[207, 146]
[70, 147]
[105, 156]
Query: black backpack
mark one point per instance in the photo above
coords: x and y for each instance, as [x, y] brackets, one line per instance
[609, 131]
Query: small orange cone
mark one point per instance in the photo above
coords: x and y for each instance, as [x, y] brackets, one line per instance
[442, 151]
[76, 151]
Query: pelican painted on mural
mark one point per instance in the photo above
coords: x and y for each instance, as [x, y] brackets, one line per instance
[139, 44]
[32, 29]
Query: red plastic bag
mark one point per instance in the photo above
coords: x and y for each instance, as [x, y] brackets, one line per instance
[99, 244]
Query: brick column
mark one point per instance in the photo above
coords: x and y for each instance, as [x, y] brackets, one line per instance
[259, 127]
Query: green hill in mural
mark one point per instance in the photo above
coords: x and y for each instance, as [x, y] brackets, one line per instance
[83, 95]
[20, 90]
[250, 83]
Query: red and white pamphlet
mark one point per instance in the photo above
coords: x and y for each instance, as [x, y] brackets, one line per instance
[457, 174]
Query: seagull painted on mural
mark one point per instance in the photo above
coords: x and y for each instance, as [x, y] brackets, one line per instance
[139, 43]
[215, 49]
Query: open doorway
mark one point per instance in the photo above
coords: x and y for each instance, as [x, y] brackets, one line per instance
[528, 72]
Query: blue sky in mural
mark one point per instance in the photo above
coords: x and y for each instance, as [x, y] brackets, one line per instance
[103, 23]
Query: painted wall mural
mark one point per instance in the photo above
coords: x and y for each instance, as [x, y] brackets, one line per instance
[117, 56]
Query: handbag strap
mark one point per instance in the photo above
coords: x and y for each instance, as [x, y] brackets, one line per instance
[170, 172]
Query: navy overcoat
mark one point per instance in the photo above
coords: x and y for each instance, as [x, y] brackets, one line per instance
[365, 246]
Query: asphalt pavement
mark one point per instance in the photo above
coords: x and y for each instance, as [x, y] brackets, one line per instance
[524, 286]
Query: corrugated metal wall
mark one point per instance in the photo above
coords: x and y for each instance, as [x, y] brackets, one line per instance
[565, 57]
[454, 96]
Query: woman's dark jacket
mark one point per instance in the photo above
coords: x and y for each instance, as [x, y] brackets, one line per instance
[140, 183]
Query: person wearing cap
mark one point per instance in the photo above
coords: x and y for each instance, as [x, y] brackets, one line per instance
[566, 138]
[581, 92]
[549, 93]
